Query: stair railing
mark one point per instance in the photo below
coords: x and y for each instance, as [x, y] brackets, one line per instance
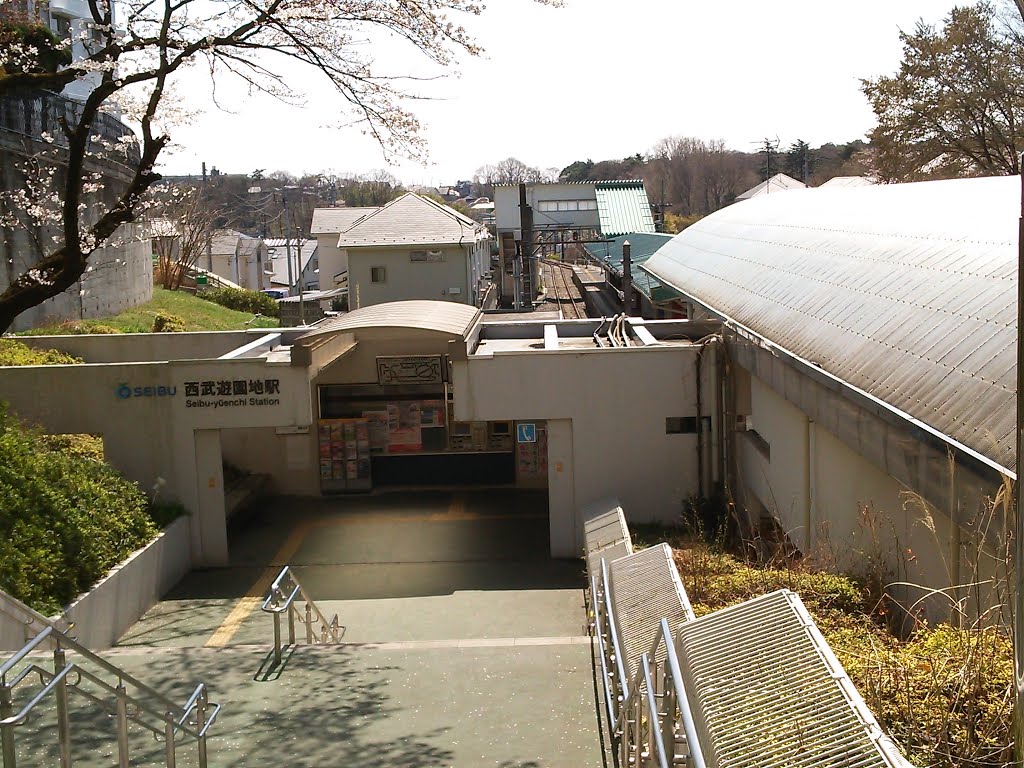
[282, 598]
[143, 706]
[655, 708]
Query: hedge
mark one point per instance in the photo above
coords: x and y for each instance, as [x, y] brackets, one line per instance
[242, 300]
[66, 519]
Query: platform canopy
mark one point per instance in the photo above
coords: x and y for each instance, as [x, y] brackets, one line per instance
[907, 292]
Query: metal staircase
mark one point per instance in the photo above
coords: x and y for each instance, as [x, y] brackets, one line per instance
[28, 689]
[755, 684]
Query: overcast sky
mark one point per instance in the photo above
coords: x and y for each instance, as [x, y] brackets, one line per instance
[598, 79]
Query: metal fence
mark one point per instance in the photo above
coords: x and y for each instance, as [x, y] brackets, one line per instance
[34, 113]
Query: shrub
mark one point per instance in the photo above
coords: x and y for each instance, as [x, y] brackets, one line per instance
[242, 300]
[16, 353]
[65, 519]
[164, 322]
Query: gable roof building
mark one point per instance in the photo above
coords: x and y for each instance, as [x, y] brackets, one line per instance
[411, 248]
[780, 182]
[410, 220]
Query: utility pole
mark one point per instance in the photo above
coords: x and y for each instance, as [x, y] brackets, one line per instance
[209, 234]
[287, 240]
[302, 283]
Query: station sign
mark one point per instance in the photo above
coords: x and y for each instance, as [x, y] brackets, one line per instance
[411, 369]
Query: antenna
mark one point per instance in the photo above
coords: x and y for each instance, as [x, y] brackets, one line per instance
[768, 146]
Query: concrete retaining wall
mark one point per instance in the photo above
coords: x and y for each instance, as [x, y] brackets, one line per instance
[143, 347]
[103, 614]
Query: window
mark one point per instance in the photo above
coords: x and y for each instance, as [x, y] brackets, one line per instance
[681, 425]
[378, 275]
[566, 205]
[426, 256]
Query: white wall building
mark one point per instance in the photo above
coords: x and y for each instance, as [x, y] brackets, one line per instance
[411, 248]
[873, 334]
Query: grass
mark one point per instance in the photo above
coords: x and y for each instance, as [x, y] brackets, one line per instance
[944, 693]
[195, 315]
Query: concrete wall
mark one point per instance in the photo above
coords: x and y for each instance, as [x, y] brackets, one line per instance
[842, 509]
[143, 347]
[617, 403]
[158, 434]
[119, 277]
[106, 611]
[406, 279]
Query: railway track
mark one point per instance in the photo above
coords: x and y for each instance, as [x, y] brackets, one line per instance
[570, 305]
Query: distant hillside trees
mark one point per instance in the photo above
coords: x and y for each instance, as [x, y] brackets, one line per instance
[695, 176]
[955, 107]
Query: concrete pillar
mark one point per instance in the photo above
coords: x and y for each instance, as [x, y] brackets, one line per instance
[209, 522]
[565, 526]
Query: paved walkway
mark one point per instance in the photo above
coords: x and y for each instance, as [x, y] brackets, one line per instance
[464, 644]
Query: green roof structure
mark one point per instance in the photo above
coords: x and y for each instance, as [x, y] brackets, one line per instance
[623, 207]
[642, 245]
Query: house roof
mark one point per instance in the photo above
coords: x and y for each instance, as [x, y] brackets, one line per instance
[277, 262]
[780, 182]
[411, 220]
[441, 316]
[227, 242]
[907, 292]
[335, 220]
[623, 207]
[642, 245]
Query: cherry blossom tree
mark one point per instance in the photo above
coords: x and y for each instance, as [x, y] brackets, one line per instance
[131, 66]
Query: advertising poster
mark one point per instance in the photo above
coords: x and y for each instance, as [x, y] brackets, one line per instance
[432, 413]
[377, 430]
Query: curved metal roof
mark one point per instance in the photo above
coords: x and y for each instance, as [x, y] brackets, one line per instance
[907, 292]
[440, 316]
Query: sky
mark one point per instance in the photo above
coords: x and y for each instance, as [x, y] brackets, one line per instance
[597, 79]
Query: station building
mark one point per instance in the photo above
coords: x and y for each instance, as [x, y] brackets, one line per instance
[847, 373]
[409, 394]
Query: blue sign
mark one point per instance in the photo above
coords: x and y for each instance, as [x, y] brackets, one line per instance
[526, 432]
[124, 391]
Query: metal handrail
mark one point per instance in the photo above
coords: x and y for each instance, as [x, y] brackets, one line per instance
[613, 721]
[277, 602]
[682, 701]
[194, 719]
[613, 629]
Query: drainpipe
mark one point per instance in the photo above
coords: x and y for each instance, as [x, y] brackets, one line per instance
[809, 491]
[627, 279]
[700, 427]
[1018, 539]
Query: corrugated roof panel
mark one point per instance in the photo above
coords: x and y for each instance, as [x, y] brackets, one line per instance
[892, 288]
[623, 207]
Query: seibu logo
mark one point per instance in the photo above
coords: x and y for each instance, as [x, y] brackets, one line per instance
[124, 391]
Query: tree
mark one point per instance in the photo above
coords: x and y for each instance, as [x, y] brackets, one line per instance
[376, 188]
[181, 227]
[132, 66]
[799, 161]
[578, 171]
[513, 171]
[955, 107]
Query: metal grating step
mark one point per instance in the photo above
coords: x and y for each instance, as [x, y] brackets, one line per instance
[767, 691]
[605, 534]
[645, 588]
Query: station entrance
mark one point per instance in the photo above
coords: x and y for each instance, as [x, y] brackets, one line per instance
[373, 436]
